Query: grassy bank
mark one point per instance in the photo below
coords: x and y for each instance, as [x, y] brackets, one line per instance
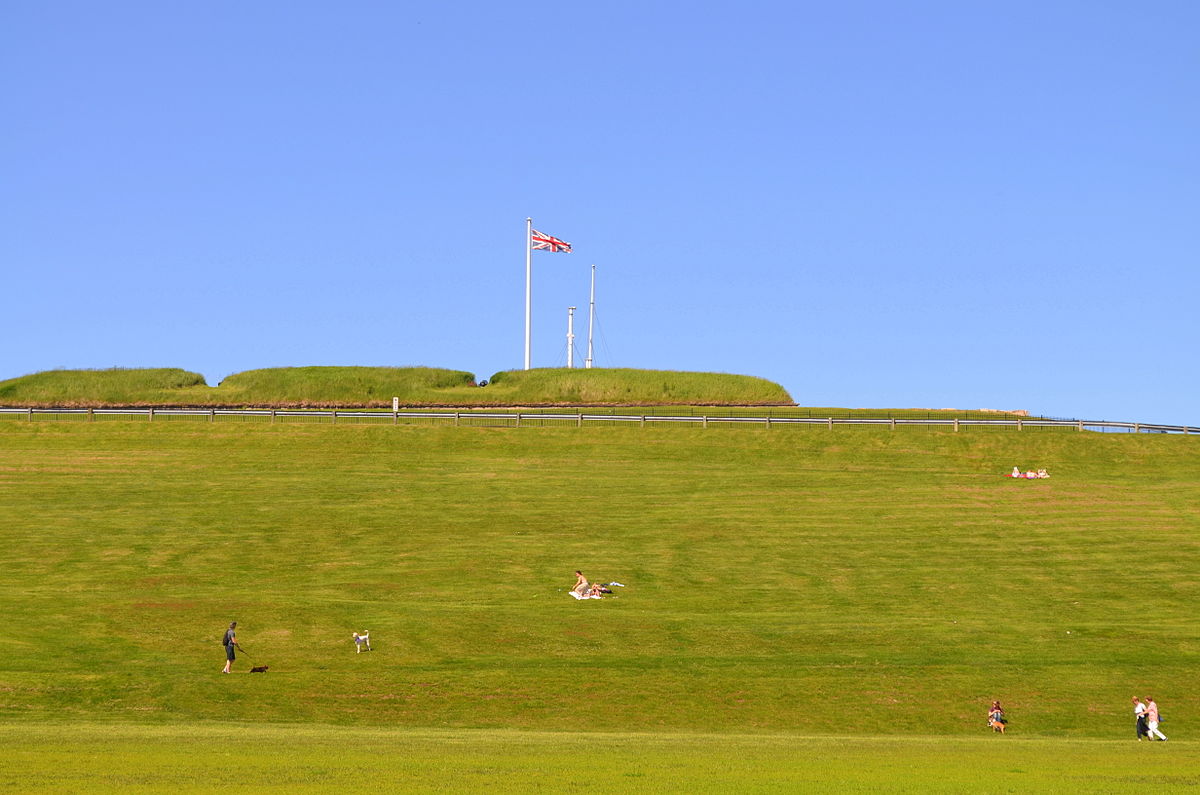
[346, 387]
[773, 579]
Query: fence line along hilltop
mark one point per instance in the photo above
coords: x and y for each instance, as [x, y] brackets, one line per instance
[592, 417]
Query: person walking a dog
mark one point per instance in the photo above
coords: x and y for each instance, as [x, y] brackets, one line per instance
[229, 642]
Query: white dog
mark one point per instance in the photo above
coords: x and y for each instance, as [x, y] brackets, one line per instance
[362, 640]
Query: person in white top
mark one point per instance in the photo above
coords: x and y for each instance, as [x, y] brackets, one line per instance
[1139, 714]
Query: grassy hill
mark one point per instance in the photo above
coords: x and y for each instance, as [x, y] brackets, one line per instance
[772, 578]
[599, 387]
[346, 387]
[115, 387]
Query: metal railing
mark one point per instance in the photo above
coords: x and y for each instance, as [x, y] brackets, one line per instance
[549, 419]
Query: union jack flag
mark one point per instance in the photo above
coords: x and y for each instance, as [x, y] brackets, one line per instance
[540, 242]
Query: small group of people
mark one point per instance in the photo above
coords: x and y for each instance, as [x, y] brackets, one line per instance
[1146, 715]
[1147, 719]
[585, 590]
[1029, 474]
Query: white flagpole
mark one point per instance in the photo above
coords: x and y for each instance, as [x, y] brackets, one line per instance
[587, 364]
[570, 337]
[528, 279]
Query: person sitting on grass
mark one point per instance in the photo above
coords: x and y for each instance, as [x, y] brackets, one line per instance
[581, 584]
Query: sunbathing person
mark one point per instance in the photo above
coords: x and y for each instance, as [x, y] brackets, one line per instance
[1042, 473]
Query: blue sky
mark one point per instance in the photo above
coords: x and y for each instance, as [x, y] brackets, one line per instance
[927, 204]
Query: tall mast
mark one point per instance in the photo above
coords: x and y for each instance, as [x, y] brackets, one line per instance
[587, 363]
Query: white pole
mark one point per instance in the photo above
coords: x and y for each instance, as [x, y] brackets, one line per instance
[591, 320]
[570, 337]
[528, 280]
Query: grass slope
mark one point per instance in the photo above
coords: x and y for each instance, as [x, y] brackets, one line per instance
[792, 580]
[344, 387]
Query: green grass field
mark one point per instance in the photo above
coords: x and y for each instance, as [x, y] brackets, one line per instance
[289, 758]
[856, 595]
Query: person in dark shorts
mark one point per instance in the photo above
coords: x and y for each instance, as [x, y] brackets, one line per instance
[229, 642]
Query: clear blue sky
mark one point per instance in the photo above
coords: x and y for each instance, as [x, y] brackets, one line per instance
[934, 204]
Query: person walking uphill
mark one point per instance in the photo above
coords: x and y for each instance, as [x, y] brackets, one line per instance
[229, 642]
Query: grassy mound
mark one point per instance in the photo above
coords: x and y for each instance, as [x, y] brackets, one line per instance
[599, 387]
[341, 386]
[114, 387]
[772, 578]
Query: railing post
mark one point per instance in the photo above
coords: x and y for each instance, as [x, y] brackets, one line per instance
[395, 418]
[705, 424]
[830, 425]
[893, 423]
[1081, 425]
[768, 423]
[272, 416]
[333, 414]
[642, 424]
[956, 424]
[91, 414]
[30, 415]
[518, 419]
[150, 414]
[579, 420]
[212, 414]
[1019, 426]
[457, 419]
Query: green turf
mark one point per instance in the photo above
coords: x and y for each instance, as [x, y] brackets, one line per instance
[855, 582]
[287, 758]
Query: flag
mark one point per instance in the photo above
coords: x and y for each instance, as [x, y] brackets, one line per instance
[540, 242]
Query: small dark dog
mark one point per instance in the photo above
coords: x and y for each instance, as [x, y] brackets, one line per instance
[259, 669]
